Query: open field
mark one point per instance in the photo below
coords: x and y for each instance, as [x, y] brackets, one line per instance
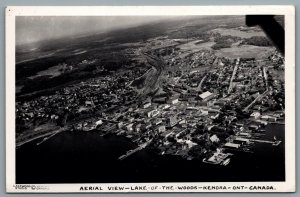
[52, 71]
[192, 47]
[238, 33]
[245, 51]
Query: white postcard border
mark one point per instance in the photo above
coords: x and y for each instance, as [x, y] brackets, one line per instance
[288, 11]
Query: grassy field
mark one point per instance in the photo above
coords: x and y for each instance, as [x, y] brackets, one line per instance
[238, 33]
[192, 47]
[52, 71]
[245, 51]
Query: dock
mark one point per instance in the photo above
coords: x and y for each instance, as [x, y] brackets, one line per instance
[131, 152]
[275, 143]
[46, 136]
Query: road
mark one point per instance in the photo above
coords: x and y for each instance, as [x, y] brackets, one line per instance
[254, 101]
[233, 75]
[199, 88]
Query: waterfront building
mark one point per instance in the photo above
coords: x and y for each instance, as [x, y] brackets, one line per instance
[255, 115]
[232, 145]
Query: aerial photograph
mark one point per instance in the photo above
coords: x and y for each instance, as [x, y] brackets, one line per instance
[143, 99]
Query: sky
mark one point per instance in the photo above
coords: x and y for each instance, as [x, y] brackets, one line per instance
[36, 28]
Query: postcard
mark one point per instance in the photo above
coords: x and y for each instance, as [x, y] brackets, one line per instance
[150, 99]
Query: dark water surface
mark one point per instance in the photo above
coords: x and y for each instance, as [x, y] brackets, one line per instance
[85, 157]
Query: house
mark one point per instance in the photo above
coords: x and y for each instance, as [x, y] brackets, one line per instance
[146, 105]
[180, 133]
[157, 121]
[172, 121]
[89, 103]
[255, 115]
[214, 115]
[161, 129]
[129, 127]
[99, 122]
[152, 113]
[214, 138]
[182, 121]
[137, 127]
[120, 125]
[173, 100]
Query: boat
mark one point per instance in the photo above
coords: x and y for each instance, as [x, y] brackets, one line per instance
[276, 143]
[226, 162]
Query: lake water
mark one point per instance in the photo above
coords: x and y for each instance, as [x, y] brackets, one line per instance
[86, 157]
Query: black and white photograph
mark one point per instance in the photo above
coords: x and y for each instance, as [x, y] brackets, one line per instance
[139, 100]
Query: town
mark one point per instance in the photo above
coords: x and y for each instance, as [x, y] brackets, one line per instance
[172, 101]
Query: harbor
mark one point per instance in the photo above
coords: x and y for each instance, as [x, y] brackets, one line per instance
[104, 153]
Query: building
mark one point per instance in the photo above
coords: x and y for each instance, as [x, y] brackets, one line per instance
[272, 118]
[232, 145]
[146, 105]
[182, 121]
[161, 129]
[180, 133]
[167, 133]
[157, 121]
[89, 104]
[129, 127]
[214, 115]
[152, 113]
[137, 127]
[253, 127]
[173, 100]
[148, 125]
[172, 121]
[206, 96]
[214, 138]
[120, 125]
[255, 115]
[99, 122]
[242, 140]
[166, 106]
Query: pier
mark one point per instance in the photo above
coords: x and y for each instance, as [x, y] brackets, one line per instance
[130, 152]
[274, 143]
[46, 135]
